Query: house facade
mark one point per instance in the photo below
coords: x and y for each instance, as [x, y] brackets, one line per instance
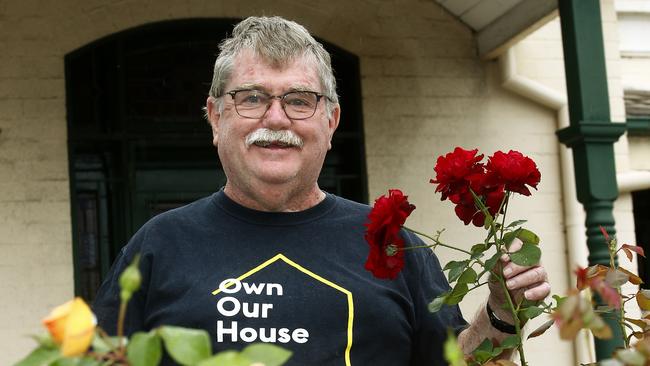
[101, 126]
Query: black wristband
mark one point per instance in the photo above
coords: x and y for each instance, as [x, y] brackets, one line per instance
[498, 323]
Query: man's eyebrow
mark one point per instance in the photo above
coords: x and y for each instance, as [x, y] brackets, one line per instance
[300, 88]
[253, 86]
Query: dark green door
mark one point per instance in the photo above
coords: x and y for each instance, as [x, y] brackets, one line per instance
[159, 190]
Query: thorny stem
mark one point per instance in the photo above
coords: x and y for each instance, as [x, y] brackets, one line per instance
[511, 306]
[514, 311]
[621, 320]
[435, 240]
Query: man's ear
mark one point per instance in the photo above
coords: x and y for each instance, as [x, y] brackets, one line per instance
[333, 123]
[213, 114]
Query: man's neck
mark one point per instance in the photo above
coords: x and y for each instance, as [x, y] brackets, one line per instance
[275, 198]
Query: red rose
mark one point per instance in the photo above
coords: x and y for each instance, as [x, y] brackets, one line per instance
[454, 172]
[385, 259]
[514, 170]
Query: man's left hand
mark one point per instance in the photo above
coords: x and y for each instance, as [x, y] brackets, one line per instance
[523, 282]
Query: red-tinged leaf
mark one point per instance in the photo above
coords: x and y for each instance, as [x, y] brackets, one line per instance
[602, 230]
[597, 271]
[632, 248]
[634, 279]
[581, 278]
[542, 329]
[643, 299]
[607, 293]
[641, 323]
[570, 328]
[638, 335]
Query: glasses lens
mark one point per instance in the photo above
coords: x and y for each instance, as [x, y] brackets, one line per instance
[299, 105]
[251, 103]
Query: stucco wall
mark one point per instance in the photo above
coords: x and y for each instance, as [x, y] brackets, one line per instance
[424, 91]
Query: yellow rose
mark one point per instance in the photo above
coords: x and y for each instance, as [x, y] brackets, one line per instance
[72, 326]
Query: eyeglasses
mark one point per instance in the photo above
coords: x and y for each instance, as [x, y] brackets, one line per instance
[252, 103]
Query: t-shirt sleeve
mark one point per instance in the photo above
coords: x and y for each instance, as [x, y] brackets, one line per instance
[107, 301]
[431, 328]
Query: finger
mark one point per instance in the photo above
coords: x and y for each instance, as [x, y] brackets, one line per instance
[527, 278]
[512, 269]
[538, 292]
[515, 245]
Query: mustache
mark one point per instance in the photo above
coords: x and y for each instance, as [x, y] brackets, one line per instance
[265, 137]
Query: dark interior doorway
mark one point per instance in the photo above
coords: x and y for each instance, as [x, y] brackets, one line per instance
[138, 144]
[641, 209]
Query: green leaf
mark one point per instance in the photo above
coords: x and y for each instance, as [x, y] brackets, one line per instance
[145, 349]
[527, 236]
[87, 361]
[437, 303]
[186, 346]
[510, 342]
[528, 255]
[468, 276]
[509, 237]
[40, 356]
[452, 351]
[456, 268]
[477, 250]
[489, 264]
[267, 354]
[457, 294]
[104, 344]
[516, 223]
[44, 340]
[531, 312]
[66, 361]
[226, 358]
[484, 350]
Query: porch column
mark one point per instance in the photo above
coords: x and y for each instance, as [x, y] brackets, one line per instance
[591, 134]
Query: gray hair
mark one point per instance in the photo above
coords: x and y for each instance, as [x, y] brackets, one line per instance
[277, 41]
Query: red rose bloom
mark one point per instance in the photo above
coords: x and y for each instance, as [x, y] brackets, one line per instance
[514, 170]
[385, 259]
[454, 172]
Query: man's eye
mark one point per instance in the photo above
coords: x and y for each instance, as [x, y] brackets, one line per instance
[302, 100]
[252, 99]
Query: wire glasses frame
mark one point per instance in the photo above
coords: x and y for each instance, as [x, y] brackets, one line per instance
[297, 105]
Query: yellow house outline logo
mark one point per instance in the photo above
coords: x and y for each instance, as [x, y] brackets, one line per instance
[309, 273]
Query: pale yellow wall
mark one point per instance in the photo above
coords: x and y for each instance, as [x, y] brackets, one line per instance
[424, 91]
[636, 76]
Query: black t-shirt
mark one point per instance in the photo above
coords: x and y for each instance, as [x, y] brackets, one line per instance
[294, 279]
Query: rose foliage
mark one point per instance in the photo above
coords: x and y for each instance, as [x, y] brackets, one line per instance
[480, 192]
[73, 340]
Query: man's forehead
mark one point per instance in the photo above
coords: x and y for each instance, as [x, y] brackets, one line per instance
[253, 71]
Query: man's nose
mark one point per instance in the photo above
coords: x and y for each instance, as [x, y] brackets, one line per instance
[275, 117]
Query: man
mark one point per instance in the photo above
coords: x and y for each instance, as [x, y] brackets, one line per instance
[271, 257]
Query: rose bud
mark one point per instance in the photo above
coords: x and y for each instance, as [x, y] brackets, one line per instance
[72, 326]
[130, 279]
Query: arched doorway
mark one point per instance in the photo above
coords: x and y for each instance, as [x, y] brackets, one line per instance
[138, 144]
